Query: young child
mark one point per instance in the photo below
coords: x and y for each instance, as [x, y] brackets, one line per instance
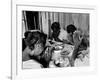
[35, 48]
[61, 35]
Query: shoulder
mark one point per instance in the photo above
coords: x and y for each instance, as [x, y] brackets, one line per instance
[31, 64]
[63, 31]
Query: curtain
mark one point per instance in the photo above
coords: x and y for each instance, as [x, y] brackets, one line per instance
[78, 19]
[46, 19]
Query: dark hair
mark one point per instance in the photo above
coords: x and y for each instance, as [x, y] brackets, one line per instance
[31, 38]
[71, 28]
[55, 26]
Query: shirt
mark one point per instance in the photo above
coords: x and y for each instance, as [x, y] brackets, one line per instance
[63, 35]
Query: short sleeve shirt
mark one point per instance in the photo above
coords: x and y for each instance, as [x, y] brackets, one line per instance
[63, 35]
